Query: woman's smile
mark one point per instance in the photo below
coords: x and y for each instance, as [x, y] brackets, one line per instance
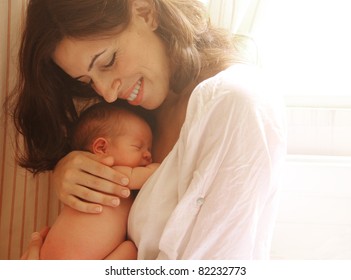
[135, 92]
[135, 96]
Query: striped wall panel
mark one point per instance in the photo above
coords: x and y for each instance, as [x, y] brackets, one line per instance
[27, 203]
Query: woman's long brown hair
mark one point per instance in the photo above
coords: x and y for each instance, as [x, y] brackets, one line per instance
[42, 102]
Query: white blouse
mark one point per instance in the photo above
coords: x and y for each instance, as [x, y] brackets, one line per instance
[215, 195]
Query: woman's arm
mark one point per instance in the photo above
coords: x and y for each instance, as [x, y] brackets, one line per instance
[85, 181]
[82, 236]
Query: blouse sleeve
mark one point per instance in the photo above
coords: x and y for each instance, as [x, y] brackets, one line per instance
[235, 143]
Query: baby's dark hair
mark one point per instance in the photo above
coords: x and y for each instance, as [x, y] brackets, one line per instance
[101, 119]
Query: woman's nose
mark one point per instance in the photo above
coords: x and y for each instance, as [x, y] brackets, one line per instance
[107, 89]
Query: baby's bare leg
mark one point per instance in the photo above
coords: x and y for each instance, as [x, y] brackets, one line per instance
[125, 251]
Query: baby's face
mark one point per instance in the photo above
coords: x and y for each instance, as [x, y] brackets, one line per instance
[133, 146]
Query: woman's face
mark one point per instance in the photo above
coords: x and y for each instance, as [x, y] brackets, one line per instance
[131, 65]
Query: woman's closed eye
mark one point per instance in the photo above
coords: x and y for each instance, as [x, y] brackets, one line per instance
[112, 61]
[86, 80]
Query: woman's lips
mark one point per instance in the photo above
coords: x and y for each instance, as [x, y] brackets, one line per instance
[136, 95]
[135, 92]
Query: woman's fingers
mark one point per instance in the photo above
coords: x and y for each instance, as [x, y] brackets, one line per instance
[82, 197]
[100, 185]
[91, 194]
[96, 165]
[35, 246]
[83, 206]
[37, 239]
[83, 182]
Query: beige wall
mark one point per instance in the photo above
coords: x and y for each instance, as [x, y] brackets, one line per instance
[26, 203]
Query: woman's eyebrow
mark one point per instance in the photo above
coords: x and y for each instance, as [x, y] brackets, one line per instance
[92, 63]
[93, 60]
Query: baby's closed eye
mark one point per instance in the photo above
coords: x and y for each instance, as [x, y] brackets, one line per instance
[137, 147]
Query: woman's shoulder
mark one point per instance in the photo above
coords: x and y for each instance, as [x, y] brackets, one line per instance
[238, 84]
[238, 90]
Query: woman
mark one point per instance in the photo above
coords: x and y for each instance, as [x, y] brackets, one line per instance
[218, 130]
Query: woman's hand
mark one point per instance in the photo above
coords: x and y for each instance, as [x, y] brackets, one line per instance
[33, 251]
[85, 181]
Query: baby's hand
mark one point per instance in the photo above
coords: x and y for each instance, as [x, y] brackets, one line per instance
[137, 175]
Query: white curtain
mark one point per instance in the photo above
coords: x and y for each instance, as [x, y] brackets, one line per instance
[236, 15]
[241, 18]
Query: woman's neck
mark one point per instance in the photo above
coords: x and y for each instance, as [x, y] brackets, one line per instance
[170, 117]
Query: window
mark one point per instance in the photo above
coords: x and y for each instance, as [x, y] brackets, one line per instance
[304, 45]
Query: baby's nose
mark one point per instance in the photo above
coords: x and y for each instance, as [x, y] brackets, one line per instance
[147, 156]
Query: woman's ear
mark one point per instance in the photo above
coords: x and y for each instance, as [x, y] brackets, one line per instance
[100, 146]
[146, 10]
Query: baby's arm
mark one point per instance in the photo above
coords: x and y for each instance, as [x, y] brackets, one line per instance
[78, 235]
[137, 175]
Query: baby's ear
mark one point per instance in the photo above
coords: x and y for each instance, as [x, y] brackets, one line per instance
[100, 146]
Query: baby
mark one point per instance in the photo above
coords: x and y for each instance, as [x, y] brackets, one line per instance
[104, 129]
